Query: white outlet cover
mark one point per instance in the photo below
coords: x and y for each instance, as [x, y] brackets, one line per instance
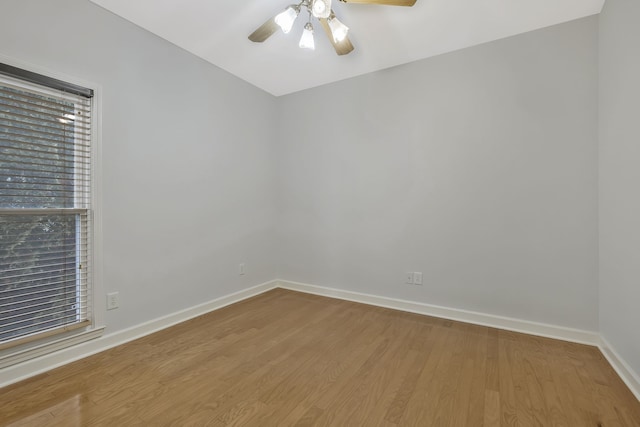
[112, 300]
[417, 278]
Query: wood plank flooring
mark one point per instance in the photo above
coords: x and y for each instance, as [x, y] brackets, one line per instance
[290, 359]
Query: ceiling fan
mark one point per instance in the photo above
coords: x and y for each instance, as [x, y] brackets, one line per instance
[322, 11]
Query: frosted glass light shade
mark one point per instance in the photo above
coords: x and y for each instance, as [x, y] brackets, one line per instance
[338, 29]
[306, 41]
[286, 19]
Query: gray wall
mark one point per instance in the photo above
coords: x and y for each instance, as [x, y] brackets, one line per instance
[620, 178]
[187, 183]
[478, 168]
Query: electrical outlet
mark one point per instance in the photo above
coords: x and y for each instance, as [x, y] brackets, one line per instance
[242, 269]
[408, 278]
[113, 300]
[417, 278]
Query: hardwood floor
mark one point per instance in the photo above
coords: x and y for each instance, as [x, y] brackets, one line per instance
[290, 359]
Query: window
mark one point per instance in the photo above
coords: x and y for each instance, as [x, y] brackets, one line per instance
[45, 207]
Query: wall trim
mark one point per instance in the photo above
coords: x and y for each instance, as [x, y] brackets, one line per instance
[622, 368]
[14, 356]
[42, 364]
[624, 371]
[490, 320]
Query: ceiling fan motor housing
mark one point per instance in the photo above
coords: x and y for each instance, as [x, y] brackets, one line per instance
[321, 9]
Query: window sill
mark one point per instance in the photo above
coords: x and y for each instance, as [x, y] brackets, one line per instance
[16, 356]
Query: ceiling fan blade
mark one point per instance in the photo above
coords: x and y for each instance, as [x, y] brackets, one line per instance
[264, 31]
[343, 47]
[387, 2]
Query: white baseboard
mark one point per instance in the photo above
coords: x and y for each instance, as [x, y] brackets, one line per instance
[630, 378]
[510, 324]
[30, 368]
[626, 373]
[33, 367]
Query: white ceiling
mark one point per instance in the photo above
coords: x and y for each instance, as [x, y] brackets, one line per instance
[383, 36]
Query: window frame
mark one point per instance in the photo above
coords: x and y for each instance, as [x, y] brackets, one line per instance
[48, 344]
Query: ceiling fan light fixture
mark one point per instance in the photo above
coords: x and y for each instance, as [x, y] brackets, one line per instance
[338, 29]
[306, 41]
[286, 19]
[321, 8]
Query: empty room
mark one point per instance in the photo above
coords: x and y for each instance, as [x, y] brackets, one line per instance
[326, 213]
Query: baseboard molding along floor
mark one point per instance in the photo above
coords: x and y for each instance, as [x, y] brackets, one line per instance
[36, 366]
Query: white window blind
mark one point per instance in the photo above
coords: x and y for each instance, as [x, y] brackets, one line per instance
[45, 207]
